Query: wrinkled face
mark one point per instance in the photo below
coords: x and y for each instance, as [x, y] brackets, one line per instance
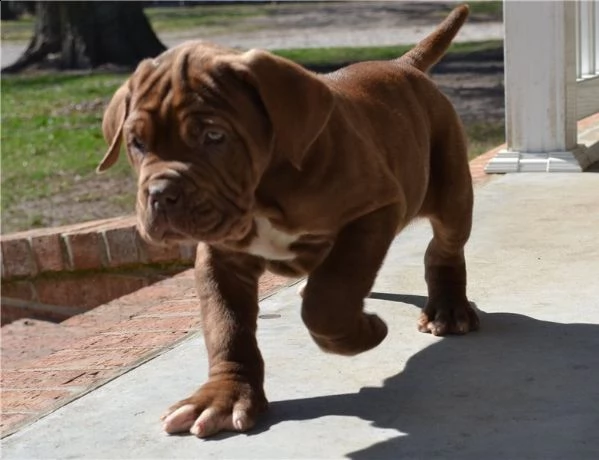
[199, 139]
[201, 124]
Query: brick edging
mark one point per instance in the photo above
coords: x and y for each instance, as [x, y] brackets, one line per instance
[102, 244]
[112, 339]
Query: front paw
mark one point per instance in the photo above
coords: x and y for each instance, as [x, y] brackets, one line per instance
[219, 405]
[444, 316]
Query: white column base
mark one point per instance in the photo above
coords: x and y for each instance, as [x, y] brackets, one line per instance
[507, 161]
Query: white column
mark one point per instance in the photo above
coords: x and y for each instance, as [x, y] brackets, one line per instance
[586, 38]
[540, 88]
[587, 87]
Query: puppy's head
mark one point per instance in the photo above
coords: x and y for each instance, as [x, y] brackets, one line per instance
[201, 125]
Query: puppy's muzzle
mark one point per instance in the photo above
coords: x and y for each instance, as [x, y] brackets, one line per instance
[163, 196]
[163, 207]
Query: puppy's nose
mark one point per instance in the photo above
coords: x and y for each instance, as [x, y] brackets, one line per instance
[163, 195]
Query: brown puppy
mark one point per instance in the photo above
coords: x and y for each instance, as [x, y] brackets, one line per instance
[273, 167]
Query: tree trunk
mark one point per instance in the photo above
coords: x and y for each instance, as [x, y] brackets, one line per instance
[85, 35]
[8, 11]
[46, 37]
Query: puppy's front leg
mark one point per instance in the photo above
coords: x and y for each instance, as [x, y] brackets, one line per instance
[233, 396]
[333, 298]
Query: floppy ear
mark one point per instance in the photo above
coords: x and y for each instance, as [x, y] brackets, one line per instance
[298, 103]
[112, 125]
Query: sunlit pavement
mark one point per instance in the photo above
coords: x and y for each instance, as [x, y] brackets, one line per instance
[524, 386]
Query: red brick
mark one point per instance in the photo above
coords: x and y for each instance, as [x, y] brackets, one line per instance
[151, 253]
[16, 309]
[11, 421]
[23, 290]
[96, 289]
[477, 165]
[117, 286]
[184, 280]
[64, 292]
[270, 282]
[70, 228]
[122, 246]
[106, 315]
[165, 324]
[86, 292]
[37, 380]
[160, 292]
[588, 122]
[90, 359]
[31, 400]
[17, 258]
[185, 275]
[48, 253]
[154, 340]
[34, 232]
[28, 339]
[86, 250]
[53, 313]
[188, 306]
[10, 313]
[127, 307]
[92, 225]
[91, 322]
[115, 222]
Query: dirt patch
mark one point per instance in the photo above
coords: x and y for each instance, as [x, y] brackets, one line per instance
[474, 83]
[91, 197]
[92, 106]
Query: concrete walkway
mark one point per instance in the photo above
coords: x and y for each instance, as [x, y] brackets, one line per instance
[524, 386]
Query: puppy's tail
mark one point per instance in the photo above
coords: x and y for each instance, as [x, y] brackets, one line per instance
[428, 51]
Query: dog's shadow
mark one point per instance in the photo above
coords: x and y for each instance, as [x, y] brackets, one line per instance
[518, 388]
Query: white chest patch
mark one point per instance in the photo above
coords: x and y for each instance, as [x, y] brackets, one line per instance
[270, 243]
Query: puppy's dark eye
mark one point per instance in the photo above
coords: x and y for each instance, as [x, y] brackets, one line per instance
[213, 136]
[138, 145]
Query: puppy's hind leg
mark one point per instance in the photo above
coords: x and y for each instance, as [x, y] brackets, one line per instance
[333, 298]
[449, 208]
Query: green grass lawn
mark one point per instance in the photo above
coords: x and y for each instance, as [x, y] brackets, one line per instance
[187, 17]
[482, 137]
[51, 124]
[163, 19]
[18, 30]
[343, 55]
[51, 131]
[490, 7]
[168, 19]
